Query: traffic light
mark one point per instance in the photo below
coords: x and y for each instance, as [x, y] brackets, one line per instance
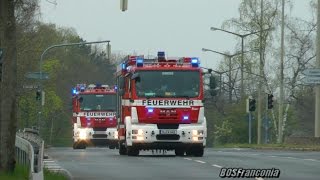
[38, 95]
[270, 101]
[252, 105]
[213, 86]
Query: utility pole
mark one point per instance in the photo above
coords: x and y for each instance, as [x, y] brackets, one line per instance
[317, 89]
[281, 79]
[260, 78]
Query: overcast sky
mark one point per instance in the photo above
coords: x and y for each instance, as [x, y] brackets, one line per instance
[178, 27]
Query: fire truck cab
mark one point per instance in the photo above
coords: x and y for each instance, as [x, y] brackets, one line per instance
[160, 105]
[94, 116]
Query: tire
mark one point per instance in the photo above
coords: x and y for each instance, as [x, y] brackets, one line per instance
[131, 151]
[122, 150]
[179, 152]
[112, 147]
[198, 152]
[75, 146]
[189, 152]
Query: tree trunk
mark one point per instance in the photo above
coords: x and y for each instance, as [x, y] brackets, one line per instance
[8, 107]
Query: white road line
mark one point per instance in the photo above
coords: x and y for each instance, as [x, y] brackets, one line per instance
[291, 157]
[215, 165]
[200, 161]
[272, 156]
[255, 154]
[310, 159]
[220, 151]
[259, 178]
[187, 159]
[238, 149]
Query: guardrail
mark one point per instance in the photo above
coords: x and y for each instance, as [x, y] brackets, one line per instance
[29, 152]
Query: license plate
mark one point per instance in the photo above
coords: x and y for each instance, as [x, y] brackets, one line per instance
[168, 131]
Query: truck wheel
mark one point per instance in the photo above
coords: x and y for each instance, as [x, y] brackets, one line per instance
[198, 152]
[122, 150]
[75, 146]
[112, 147]
[189, 152]
[179, 152]
[131, 151]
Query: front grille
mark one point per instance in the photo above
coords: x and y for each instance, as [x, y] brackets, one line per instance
[168, 137]
[99, 129]
[99, 136]
[168, 126]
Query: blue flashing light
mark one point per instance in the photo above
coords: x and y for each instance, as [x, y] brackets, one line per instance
[161, 54]
[195, 62]
[185, 117]
[123, 66]
[150, 110]
[139, 62]
[74, 91]
[115, 87]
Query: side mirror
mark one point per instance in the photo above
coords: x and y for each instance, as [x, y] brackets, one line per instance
[121, 92]
[81, 99]
[135, 76]
[121, 82]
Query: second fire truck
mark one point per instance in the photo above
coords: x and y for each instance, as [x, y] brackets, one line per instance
[94, 116]
[160, 105]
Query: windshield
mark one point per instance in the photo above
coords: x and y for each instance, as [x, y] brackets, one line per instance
[97, 102]
[168, 84]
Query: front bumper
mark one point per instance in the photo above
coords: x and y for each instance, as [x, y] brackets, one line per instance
[148, 136]
[88, 134]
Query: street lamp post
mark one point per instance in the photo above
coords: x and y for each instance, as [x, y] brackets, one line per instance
[242, 36]
[56, 46]
[230, 69]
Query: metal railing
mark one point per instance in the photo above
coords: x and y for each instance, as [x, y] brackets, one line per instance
[29, 152]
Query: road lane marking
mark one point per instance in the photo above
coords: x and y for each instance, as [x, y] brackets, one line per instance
[215, 165]
[255, 154]
[200, 161]
[187, 159]
[272, 156]
[311, 160]
[238, 149]
[259, 178]
[291, 157]
[220, 151]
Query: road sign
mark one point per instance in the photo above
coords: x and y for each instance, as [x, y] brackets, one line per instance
[30, 86]
[311, 72]
[311, 80]
[36, 75]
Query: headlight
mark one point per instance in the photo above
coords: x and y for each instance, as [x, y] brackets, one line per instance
[140, 138]
[140, 132]
[197, 132]
[194, 132]
[116, 134]
[82, 133]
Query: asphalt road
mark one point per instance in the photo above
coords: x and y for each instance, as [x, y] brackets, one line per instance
[104, 164]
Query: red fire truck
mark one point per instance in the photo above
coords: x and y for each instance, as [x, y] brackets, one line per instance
[160, 105]
[94, 116]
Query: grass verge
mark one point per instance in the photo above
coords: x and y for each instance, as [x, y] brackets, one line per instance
[21, 173]
[48, 175]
